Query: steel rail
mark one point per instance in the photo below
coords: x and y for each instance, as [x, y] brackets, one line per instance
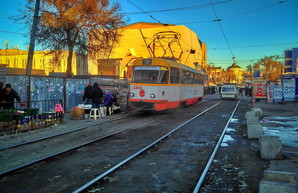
[58, 153]
[58, 134]
[200, 182]
[88, 184]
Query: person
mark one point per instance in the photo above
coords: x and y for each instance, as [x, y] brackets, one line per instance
[96, 95]
[240, 91]
[108, 102]
[108, 99]
[87, 94]
[8, 97]
[250, 89]
[246, 89]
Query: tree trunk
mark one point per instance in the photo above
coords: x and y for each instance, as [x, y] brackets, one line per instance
[69, 61]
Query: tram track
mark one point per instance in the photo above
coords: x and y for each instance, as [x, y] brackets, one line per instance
[87, 185]
[101, 178]
[47, 152]
[108, 165]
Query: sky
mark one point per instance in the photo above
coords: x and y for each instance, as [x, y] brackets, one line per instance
[248, 29]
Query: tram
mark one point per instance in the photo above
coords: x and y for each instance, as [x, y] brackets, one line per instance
[159, 84]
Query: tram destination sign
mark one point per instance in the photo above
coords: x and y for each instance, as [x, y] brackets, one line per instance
[147, 68]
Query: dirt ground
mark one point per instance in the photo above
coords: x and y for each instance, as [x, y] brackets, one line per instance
[243, 167]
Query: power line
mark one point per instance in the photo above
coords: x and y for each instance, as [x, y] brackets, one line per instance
[236, 15]
[144, 11]
[180, 8]
[12, 32]
[253, 46]
[253, 10]
[218, 20]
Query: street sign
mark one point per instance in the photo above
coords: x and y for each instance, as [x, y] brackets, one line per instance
[256, 73]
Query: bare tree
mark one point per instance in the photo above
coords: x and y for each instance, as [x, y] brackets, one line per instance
[71, 24]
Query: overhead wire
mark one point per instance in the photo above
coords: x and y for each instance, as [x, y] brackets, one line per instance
[180, 8]
[144, 11]
[226, 39]
[253, 46]
[236, 15]
[168, 27]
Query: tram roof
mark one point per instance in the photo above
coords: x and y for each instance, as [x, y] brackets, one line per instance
[166, 62]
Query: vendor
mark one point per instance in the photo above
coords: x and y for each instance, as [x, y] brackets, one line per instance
[8, 96]
[108, 99]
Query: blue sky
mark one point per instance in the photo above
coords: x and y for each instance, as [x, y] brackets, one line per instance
[253, 28]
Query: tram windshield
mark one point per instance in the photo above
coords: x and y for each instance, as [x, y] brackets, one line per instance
[150, 74]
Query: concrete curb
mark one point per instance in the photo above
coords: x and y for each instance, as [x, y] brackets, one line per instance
[279, 181]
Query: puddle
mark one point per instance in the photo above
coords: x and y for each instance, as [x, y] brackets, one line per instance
[226, 140]
[234, 120]
[230, 129]
[284, 127]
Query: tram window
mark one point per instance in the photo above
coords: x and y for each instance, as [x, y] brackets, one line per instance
[201, 79]
[196, 78]
[150, 76]
[175, 76]
[145, 76]
[183, 78]
[163, 77]
[189, 78]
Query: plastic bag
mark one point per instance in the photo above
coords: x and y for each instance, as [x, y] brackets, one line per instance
[58, 108]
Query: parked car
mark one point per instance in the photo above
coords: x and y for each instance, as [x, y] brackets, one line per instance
[228, 92]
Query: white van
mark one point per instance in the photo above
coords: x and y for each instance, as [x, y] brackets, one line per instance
[228, 92]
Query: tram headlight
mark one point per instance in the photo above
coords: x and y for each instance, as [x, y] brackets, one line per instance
[152, 95]
[132, 94]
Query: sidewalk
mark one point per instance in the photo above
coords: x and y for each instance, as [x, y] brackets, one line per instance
[282, 120]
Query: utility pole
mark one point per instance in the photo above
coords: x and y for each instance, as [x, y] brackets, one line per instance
[31, 51]
[32, 38]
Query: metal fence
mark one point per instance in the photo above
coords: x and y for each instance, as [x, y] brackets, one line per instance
[68, 90]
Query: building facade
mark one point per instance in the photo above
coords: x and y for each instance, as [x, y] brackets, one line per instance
[43, 63]
[235, 74]
[147, 40]
[291, 60]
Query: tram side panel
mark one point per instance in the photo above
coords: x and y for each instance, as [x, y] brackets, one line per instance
[189, 95]
[157, 97]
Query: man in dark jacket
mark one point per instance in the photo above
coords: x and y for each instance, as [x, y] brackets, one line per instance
[87, 97]
[8, 97]
[97, 95]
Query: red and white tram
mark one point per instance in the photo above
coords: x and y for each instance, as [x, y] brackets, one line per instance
[160, 84]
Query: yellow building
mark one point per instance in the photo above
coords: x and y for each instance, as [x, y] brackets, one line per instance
[235, 74]
[214, 74]
[43, 62]
[149, 40]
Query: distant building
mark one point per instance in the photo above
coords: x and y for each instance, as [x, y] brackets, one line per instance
[291, 60]
[215, 74]
[44, 62]
[235, 74]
